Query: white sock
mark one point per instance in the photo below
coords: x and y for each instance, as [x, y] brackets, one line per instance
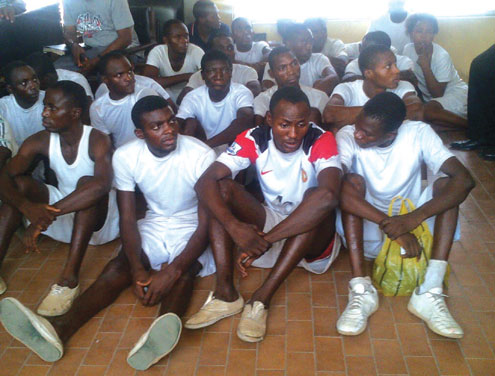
[434, 275]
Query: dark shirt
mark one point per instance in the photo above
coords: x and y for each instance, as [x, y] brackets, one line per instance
[196, 39]
[481, 98]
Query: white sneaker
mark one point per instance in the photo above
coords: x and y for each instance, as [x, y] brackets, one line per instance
[32, 330]
[363, 302]
[431, 308]
[58, 301]
[3, 286]
[252, 326]
[158, 341]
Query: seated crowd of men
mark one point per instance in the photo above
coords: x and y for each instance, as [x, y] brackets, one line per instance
[328, 157]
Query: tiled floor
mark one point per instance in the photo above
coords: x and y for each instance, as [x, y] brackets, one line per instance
[301, 339]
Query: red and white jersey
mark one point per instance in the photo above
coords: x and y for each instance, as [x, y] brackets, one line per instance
[284, 177]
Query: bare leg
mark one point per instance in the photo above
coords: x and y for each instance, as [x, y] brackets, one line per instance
[115, 277]
[310, 244]
[86, 222]
[353, 225]
[245, 207]
[11, 217]
[436, 114]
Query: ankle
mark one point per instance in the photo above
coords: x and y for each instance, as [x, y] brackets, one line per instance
[226, 294]
[71, 282]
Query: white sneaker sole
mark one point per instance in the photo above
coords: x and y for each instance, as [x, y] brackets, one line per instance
[212, 321]
[158, 341]
[249, 338]
[411, 309]
[348, 333]
[24, 326]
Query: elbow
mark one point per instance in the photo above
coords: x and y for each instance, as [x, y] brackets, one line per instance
[329, 115]
[469, 184]
[329, 201]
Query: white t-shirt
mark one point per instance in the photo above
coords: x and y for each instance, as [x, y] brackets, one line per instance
[7, 137]
[141, 83]
[241, 74]
[317, 99]
[114, 116]
[396, 169]
[396, 31]
[284, 177]
[254, 55]
[403, 64]
[158, 57]
[311, 70]
[353, 94]
[23, 122]
[64, 74]
[441, 66]
[167, 183]
[334, 48]
[353, 50]
[215, 117]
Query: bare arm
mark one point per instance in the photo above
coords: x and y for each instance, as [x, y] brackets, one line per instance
[436, 89]
[328, 81]
[339, 63]
[414, 106]
[5, 154]
[98, 185]
[337, 114]
[317, 204]
[243, 121]
[254, 86]
[183, 93]
[153, 72]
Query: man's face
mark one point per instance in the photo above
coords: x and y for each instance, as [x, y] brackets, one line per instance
[320, 35]
[217, 74]
[369, 132]
[226, 45]
[302, 45]
[119, 77]
[290, 123]
[287, 70]
[25, 85]
[423, 34]
[159, 130]
[212, 19]
[58, 112]
[385, 74]
[177, 39]
[243, 33]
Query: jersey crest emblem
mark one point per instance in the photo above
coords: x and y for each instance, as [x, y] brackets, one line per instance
[234, 148]
[304, 175]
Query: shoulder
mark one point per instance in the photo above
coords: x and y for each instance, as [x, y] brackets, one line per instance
[99, 139]
[194, 50]
[129, 151]
[193, 145]
[404, 87]
[311, 91]
[318, 58]
[440, 52]
[160, 49]
[237, 90]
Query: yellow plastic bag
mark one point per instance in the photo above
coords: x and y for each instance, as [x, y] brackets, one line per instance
[397, 276]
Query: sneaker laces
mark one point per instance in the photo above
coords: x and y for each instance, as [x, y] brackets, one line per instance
[354, 309]
[257, 309]
[439, 303]
[57, 289]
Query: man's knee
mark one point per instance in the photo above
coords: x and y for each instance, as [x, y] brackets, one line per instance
[355, 181]
[23, 183]
[118, 267]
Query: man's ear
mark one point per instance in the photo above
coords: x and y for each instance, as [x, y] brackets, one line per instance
[368, 74]
[268, 118]
[104, 79]
[164, 39]
[270, 73]
[76, 112]
[139, 133]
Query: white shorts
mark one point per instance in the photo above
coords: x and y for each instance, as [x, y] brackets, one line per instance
[373, 237]
[269, 259]
[61, 229]
[454, 100]
[163, 239]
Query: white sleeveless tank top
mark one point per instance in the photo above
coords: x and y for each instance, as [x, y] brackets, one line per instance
[69, 174]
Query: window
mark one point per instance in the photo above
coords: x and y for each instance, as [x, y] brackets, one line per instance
[268, 11]
[36, 4]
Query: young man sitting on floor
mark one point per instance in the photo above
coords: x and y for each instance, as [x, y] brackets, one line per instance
[285, 69]
[219, 110]
[380, 72]
[162, 253]
[79, 211]
[382, 158]
[298, 168]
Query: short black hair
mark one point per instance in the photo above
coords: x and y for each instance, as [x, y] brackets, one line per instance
[283, 26]
[369, 56]
[214, 55]
[200, 8]
[168, 25]
[73, 91]
[41, 63]
[376, 37]
[388, 109]
[216, 34]
[237, 20]
[295, 30]
[9, 69]
[276, 52]
[107, 58]
[290, 94]
[414, 19]
[145, 105]
[317, 20]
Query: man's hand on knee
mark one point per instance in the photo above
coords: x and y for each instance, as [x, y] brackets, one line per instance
[41, 215]
[161, 283]
[249, 238]
[400, 224]
[141, 280]
[411, 245]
